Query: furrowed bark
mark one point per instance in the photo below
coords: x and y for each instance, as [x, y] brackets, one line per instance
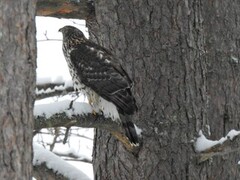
[17, 85]
[183, 57]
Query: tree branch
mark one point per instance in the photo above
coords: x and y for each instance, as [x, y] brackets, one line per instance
[83, 9]
[74, 157]
[52, 89]
[47, 165]
[87, 121]
[218, 150]
[55, 92]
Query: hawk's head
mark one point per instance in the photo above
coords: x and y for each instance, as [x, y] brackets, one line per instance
[70, 32]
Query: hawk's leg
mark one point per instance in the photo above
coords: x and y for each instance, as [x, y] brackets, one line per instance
[91, 102]
[94, 112]
[94, 101]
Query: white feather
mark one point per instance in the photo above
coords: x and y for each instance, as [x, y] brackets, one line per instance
[108, 109]
[100, 105]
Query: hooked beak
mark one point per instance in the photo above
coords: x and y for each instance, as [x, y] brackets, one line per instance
[60, 30]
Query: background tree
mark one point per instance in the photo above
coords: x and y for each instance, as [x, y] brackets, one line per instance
[17, 82]
[183, 58]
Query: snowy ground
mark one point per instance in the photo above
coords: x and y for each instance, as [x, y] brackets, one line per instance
[51, 67]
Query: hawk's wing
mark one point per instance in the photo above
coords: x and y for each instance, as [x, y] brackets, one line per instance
[97, 69]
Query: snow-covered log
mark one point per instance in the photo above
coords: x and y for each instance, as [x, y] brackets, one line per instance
[47, 164]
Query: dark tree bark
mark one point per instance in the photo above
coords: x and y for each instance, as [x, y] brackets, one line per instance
[17, 87]
[183, 59]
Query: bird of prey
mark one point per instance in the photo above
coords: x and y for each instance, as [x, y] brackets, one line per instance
[99, 75]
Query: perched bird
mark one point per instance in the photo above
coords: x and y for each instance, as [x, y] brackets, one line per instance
[98, 74]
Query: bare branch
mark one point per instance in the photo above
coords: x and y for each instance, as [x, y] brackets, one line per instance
[83, 9]
[79, 160]
[56, 135]
[87, 121]
[74, 157]
[45, 40]
[48, 39]
[75, 134]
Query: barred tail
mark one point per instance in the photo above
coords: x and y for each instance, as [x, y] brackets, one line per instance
[130, 138]
[130, 132]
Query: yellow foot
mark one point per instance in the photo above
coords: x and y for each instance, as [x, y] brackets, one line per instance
[134, 148]
[94, 113]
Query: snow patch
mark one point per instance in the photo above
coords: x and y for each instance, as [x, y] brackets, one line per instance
[55, 163]
[235, 59]
[203, 144]
[138, 130]
[233, 133]
[47, 110]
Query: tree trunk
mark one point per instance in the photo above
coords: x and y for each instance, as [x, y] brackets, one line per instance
[17, 87]
[183, 59]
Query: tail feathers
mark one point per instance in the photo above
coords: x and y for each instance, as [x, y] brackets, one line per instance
[130, 132]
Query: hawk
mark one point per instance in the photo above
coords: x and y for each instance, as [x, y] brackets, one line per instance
[97, 73]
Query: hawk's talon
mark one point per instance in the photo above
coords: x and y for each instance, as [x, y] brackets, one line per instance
[94, 113]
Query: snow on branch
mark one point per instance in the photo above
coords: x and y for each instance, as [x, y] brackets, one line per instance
[69, 107]
[68, 113]
[51, 166]
[209, 148]
[48, 88]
